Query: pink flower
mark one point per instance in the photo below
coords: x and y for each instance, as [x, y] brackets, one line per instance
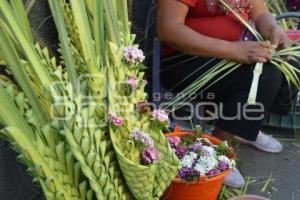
[150, 155]
[174, 141]
[132, 81]
[142, 106]
[118, 122]
[115, 120]
[160, 115]
[145, 82]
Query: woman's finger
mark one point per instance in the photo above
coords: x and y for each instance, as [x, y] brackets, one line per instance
[262, 56]
[269, 57]
[264, 52]
[261, 60]
[275, 40]
[266, 45]
[286, 43]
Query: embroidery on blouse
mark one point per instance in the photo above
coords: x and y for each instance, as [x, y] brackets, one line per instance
[212, 6]
[240, 6]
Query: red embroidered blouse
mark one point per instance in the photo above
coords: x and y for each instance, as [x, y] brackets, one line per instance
[218, 24]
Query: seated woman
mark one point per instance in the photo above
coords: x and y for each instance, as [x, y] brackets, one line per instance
[204, 29]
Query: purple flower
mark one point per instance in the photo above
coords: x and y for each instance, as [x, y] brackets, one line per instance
[184, 171]
[144, 138]
[195, 147]
[150, 155]
[213, 172]
[188, 174]
[222, 165]
[205, 153]
[174, 141]
[180, 151]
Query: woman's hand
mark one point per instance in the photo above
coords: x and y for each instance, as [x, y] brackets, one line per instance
[250, 52]
[279, 39]
[267, 25]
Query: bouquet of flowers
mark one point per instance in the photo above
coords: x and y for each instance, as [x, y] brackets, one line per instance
[199, 157]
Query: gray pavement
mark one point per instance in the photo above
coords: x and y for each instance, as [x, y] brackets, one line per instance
[284, 168]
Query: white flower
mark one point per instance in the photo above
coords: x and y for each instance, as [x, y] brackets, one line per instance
[224, 159]
[226, 144]
[189, 159]
[199, 168]
[209, 150]
[205, 164]
[133, 55]
[144, 138]
[193, 155]
[230, 162]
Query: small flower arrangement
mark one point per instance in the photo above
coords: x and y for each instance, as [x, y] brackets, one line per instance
[133, 55]
[160, 118]
[199, 157]
[142, 118]
[115, 120]
[149, 154]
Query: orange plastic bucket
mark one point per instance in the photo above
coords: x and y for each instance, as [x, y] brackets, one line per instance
[205, 189]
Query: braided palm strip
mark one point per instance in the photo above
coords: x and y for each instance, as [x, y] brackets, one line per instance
[168, 167]
[52, 150]
[2, 62]
[94, 152]
[57, 156]
[63, 171]
[47, 174]
[107, 177]
[55, 184]
[87, 171]
[100, 165]
[71, 26]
